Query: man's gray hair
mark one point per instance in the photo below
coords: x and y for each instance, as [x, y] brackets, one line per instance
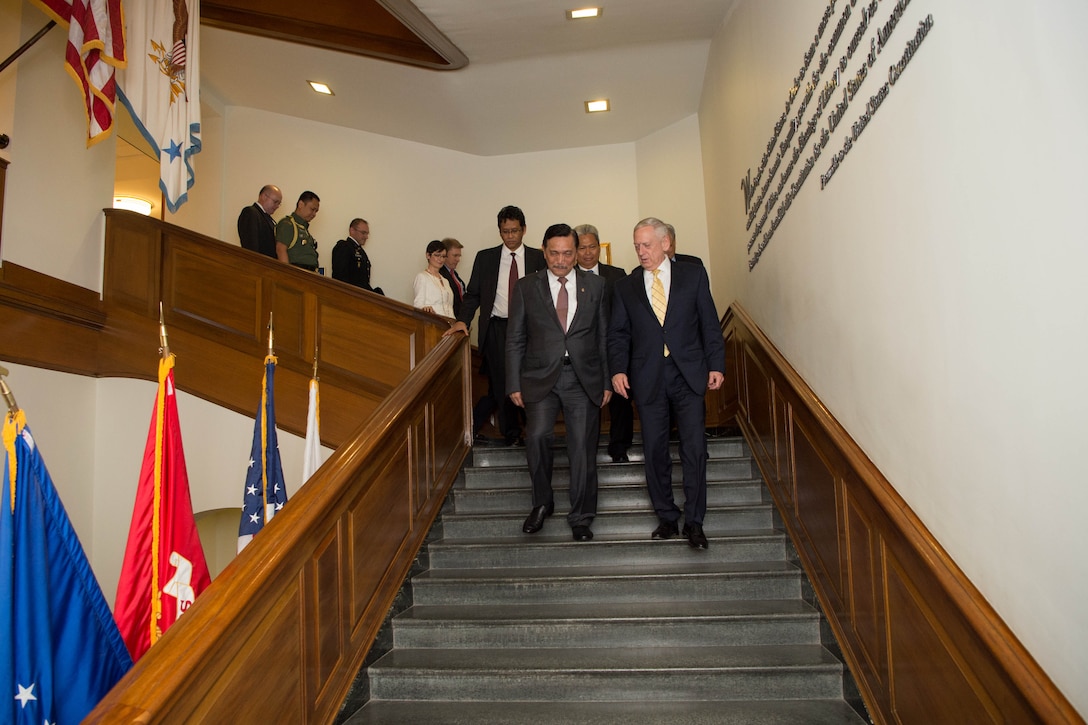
[588, 229]
[661, 229]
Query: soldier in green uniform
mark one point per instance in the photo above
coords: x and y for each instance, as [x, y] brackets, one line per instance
[294, 244]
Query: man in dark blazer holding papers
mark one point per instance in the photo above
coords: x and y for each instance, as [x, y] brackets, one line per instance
[665, 347]
[556, 359]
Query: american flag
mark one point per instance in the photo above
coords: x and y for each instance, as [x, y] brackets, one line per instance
[265, 492]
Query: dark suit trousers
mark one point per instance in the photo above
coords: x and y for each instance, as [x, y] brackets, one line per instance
[582, 420]
[621, 426]
[690, 410]
[494, 354]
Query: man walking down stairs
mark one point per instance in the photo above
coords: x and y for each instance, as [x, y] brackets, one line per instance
[511, 628]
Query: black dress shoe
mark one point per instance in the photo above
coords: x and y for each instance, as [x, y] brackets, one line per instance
[480, 440]
[534, 522]
[666, 530]
[516, 441]
[696, 537]
[581, 533]
[620, 458]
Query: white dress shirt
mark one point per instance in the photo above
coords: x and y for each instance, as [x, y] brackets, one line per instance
[502, 304]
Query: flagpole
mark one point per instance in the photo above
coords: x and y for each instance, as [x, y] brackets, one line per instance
[271, 333]
[8, 396]
[26, 46]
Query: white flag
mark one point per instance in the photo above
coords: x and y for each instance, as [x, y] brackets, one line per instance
[311, 457]
[161, 86]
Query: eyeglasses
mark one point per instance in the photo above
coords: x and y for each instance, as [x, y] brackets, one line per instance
[509, 232]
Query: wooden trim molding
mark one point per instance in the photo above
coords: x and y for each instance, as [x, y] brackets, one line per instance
[921, 641]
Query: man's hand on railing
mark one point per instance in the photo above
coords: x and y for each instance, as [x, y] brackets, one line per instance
[456, 327]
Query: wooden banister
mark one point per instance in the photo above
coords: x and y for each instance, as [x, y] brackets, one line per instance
[282, 632]
[920, 639]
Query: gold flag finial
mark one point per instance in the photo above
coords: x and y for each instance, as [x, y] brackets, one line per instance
[271, 335]
[5, 391]
[164, 345]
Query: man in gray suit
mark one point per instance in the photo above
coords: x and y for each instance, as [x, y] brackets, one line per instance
[556, 359]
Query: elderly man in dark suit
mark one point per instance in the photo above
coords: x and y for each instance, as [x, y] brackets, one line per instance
[490, 286]
[665, 346]
[621, 416]
[256, 227]
[556, 359]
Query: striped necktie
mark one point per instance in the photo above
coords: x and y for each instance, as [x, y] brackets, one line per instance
[658, 302]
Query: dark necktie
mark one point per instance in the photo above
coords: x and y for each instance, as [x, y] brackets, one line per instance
[513, 276]
[561, 303]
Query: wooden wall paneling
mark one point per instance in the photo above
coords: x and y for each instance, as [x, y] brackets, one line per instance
[922, 643]
[925, 664]
[324, 620]
[865, 573]
[132, 263]
[45, 322]
[289, 322]
[420, 462]
[233, 692]
[378, 348]
[817, 509]
[380, 522]
[212, 297]
[783, 443]
[759, 403]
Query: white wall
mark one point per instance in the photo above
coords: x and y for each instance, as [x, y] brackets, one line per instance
[56, 186]
[932, 294]
[670, 186]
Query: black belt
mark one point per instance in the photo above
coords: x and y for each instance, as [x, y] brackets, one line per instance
[307, 267]
[566, 359]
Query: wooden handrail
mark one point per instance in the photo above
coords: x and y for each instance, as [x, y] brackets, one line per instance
[922, 642]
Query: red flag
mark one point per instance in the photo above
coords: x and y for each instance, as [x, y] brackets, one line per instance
[96, 46]
[164, 568]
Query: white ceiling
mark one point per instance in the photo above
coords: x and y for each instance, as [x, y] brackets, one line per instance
[530, 70]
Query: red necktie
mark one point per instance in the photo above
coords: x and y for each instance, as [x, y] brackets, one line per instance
[561, 303]
[513, 276]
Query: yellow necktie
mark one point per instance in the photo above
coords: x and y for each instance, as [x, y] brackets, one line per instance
[657, 301]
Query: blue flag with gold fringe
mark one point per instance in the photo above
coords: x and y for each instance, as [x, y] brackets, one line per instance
[60, 651]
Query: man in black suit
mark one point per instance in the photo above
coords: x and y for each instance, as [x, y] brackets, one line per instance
[490, 287]
[556, 359]
[665, 345]
[621, 416]
[256, 227]
[350, 262]
[454, 250]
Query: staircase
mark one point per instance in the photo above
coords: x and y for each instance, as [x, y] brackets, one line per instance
[513, 628]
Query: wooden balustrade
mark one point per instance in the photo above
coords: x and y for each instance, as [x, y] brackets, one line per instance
[294, 615]
[921, 641]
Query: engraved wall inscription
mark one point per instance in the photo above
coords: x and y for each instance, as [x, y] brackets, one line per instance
[830, 95]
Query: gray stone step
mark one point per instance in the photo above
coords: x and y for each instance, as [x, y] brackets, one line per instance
[608, 674]
[517, 476]
[647, 624]
[553, 547]
[641, 712]
[696, 581]
[636, 524]
[487, 456]
[610, 497]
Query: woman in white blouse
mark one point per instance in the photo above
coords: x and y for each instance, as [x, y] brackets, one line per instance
[433, 293]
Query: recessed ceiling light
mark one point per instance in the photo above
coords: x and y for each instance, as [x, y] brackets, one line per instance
[598, 106]
[584, 13]
[321, 88]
